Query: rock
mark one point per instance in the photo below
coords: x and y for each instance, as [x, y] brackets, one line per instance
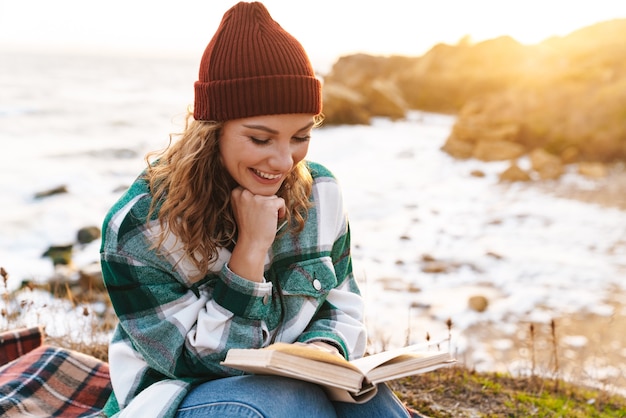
[343, 106]
[427, 257]
[507, 132]
[565, 94]
[498, 150]
[593, 170]
[363, 86]
[50, 192]
[458, 149]
[570, 154]
[88, 234]
[435, 267]
[60, 254]
[551, 171]
[514, 173]
[478, 303]
[384, 99]
[494, 255]
[548, 166]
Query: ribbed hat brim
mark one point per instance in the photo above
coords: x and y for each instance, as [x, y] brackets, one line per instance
[241, 98]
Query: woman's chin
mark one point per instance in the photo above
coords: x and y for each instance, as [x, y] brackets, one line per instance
[263, 189]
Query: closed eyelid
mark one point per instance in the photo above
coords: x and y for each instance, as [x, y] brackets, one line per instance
[259, 140]
[304, 133]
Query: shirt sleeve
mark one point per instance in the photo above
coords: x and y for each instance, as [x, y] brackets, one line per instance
[175, 327]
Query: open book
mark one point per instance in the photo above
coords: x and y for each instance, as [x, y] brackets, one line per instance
[348, 381]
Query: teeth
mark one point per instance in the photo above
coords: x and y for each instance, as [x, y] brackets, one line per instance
[266, 175]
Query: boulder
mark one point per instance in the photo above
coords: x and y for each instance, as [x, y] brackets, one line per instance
[360, 87]
[497, 150]
[548, 166]
[60, 254]
[478, 303]
[51, 192]
[88, 234]
[458, 149]
[384, 99]
[343, 106]
[593, 170]
[514, 173]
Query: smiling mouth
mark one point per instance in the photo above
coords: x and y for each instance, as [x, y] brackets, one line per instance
[266, 176]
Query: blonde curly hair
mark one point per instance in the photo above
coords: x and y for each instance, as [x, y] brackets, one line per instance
[191, 193]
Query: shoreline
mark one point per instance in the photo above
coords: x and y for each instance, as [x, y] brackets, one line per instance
[591, 346]
[583, 347]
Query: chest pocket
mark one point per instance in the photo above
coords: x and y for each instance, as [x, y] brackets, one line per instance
[312, 278]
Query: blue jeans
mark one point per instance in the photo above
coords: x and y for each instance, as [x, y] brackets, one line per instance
[254, 396]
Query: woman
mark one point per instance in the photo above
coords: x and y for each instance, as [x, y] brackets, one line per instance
[231, 239]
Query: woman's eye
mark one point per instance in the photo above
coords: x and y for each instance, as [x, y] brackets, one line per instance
[259, 141]
[302, 138]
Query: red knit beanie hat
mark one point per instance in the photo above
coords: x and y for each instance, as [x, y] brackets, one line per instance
[252, 67]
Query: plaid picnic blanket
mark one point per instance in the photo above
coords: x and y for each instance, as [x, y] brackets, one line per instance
[51, 382]
[16, 343]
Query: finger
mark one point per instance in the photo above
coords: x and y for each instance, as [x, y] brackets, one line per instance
[282, 209]
[236, 193]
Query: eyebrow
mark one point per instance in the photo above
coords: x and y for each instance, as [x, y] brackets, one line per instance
[274, 131]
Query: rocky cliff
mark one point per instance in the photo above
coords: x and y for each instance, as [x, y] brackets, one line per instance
[562, 100]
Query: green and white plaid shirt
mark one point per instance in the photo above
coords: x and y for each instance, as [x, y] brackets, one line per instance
[173, 333]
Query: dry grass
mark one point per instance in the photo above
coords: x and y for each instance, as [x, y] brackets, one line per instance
[72, 317]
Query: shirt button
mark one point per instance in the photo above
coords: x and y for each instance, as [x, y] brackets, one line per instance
[316, 284]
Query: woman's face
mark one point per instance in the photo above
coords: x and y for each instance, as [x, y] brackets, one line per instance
[259, 152]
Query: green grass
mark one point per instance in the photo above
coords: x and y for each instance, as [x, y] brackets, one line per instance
[459, 392]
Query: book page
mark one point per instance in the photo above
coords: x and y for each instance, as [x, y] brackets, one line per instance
[302, 350]
[367, 363]
[297, 362]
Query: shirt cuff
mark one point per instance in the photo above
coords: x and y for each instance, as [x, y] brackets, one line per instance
[243, 297]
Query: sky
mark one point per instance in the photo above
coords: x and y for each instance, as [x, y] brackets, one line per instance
[328, 29]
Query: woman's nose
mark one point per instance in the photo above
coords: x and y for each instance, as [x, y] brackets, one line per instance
[282, 158]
